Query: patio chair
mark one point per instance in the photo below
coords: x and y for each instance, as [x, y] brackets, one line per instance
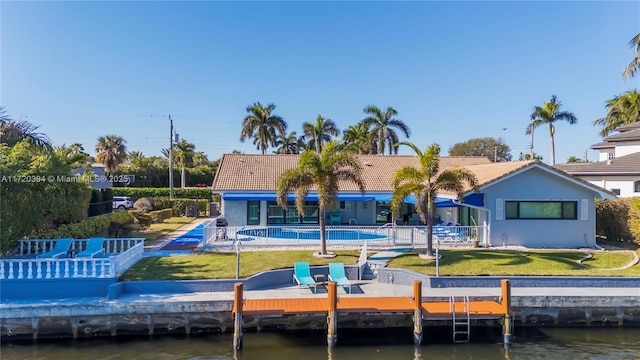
[302, 275]
[94, 247]
[459, 236]
[60, 249]
[337, 274]
[335, 218]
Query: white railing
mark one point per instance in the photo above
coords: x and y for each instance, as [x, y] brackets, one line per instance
[120, 254]
[356, 236]
[362, 261]
[209, 232]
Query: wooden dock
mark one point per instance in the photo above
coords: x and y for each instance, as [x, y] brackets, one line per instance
[460, 310]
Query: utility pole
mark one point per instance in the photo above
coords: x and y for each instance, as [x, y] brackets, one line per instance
[170, 157]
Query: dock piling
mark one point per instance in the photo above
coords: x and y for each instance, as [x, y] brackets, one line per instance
[506, 307]
[237, 311]
[332, 316]
[417, 312]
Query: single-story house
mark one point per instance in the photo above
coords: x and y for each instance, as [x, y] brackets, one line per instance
[518, 203]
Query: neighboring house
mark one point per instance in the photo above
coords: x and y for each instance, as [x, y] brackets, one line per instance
[618, 168]
[98, 180]
[519, 203]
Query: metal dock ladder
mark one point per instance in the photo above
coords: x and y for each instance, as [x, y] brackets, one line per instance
[461, 326]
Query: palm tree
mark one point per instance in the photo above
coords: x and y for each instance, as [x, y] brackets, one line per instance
[200, 159]
[290, 144]
[634, 65]
[549, 113]
[320, 132]
[425, 183]
[73, 155]
[15, 131]
[383, 124]
[323, 171]
[262, 126]
[622, 110]
[111, 151]
[183, 153]
[359, 139]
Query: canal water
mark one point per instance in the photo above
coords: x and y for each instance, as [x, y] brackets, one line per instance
[561, 344]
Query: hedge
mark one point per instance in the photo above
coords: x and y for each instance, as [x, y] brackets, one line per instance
[178, 193]
[87, 228]
[179, 206]
[619, 219]
[159, 216]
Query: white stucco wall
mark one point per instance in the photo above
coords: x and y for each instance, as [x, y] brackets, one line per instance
[624, 183]
[537, 184]
[236, 212]
[627, 148]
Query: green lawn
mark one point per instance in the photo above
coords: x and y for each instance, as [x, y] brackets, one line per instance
[534, 263]
[156, 231]
[223, 265]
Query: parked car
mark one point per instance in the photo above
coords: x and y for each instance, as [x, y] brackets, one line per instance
[122, 202]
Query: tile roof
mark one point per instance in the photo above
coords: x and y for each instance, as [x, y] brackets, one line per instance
[242, 172]
[628, 164]
[238, 172]
[625, 133]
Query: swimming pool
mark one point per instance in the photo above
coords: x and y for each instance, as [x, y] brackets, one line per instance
[309, 234]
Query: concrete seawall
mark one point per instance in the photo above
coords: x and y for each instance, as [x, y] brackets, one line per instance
[204, 306]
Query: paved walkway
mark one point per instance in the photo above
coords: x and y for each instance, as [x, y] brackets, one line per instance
[154, 248]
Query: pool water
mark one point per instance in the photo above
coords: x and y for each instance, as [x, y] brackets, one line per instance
[310, 234]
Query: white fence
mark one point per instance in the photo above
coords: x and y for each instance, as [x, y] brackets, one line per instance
[120, 255]
[385, 236]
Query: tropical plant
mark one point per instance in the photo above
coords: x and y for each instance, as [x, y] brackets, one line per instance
[382, 123]
[290, 144]
[262, 125]
[323, 171]
[359, 139]
[200, 158]
[574, 159]
[634, 65]
[494, 149]
[528, 157]
[14, 131]
[111, 151]
[73, 155]
[623, 109]
[319, 133]
[183, 153]
[549, 113]
[425, 182]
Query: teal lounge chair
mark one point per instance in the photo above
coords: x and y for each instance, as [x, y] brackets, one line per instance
[336, 273]
[302, 275]
[335, 218]
[94, 247]
[60, 249]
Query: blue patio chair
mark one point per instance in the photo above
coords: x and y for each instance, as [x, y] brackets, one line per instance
[60, 249]
[335, 218]
[336, 273]
[459, 236]
[302, 275]
[94, 247]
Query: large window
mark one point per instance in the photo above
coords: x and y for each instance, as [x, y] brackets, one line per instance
[253, 212]
[566, 210]
[277, 215]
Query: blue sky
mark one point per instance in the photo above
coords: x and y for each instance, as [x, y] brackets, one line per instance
[453, 70]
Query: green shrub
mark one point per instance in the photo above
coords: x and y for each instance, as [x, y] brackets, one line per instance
[617, 219]
[179, 206]
[158, 216]
[86, 228]
[140, 218]
[178, 193]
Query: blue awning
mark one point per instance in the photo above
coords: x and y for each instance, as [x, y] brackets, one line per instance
[271, 196]
[471, 199]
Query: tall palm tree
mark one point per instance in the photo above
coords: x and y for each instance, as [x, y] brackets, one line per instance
[319, 133]
[73, 155]
[323, 171]
[14, 131]
[200, 158]
[111, 151]
[383, 123]
[425, 182]
[184, 152]
[549, 113]
[634, 65]
[359, 139]
[622, 110]
[290, 144]
[262, 125]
